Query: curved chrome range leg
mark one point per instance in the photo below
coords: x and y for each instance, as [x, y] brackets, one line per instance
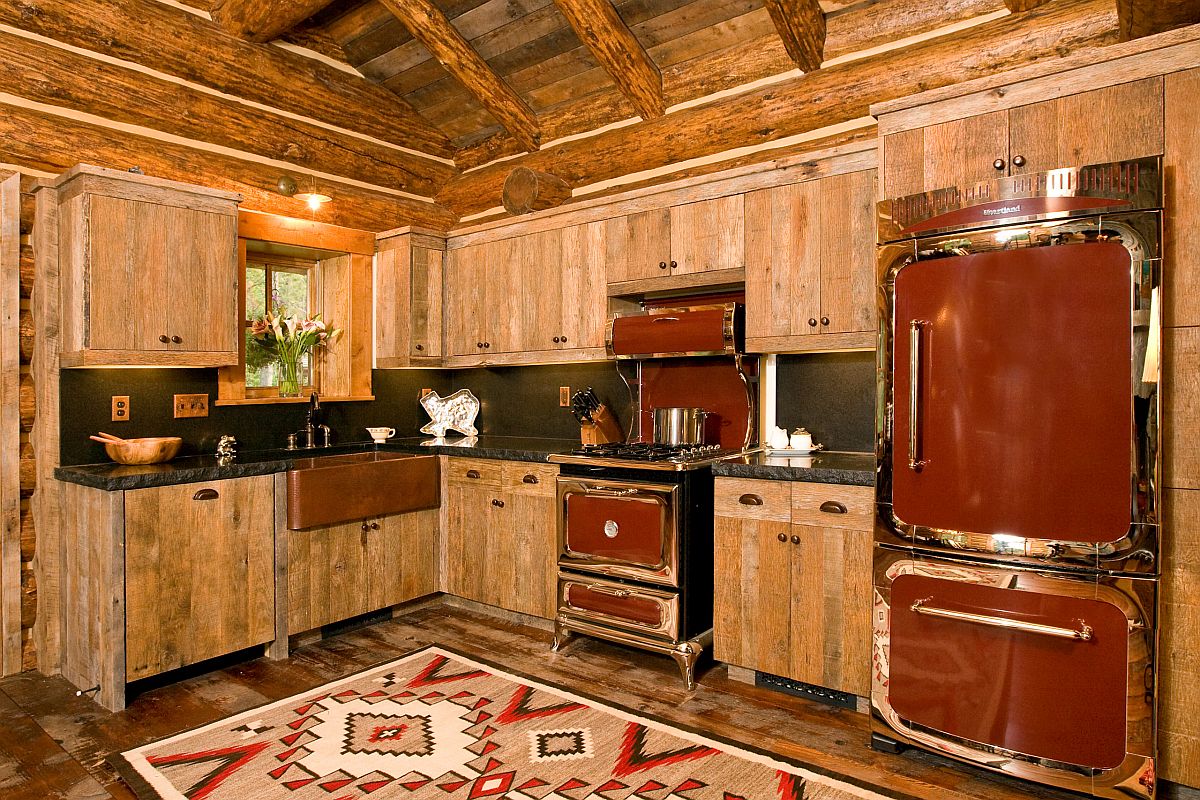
[561, 636]
[686, 654]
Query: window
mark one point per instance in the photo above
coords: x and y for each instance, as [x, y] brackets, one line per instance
[272, 282]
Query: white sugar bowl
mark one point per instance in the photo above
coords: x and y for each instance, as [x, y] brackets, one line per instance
[801, 440]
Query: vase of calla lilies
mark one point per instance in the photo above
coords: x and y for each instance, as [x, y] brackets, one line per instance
[288, 338]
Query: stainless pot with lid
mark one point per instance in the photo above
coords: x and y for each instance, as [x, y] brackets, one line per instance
[679, 425]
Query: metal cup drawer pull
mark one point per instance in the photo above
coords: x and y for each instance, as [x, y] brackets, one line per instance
[833, 507]
[750, 500]
[611, 528]
[206, 494]
[1083, 633]
[530, 478]
[472, 473]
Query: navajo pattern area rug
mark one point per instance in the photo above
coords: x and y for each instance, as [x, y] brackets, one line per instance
[437, 725]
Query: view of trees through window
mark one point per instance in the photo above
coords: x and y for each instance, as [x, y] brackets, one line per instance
[271, 285]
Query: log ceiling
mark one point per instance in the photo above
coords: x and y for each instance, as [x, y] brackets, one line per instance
[421, 108]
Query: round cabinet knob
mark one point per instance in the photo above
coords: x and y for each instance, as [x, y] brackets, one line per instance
[479, 344]
[486, 345]
[374, 526]
[1018, 161]
[662, 265]
[998, 164]
[824, 320]
[498, 503]
[177, 339]
[420, 347]
[366, 527]
[674, 265]
[562, 339]
[795, 539]
[812, 322]
[164, 338]
[783, 537]
[556, 340]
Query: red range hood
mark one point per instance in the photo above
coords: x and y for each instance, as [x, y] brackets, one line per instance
[699, 330]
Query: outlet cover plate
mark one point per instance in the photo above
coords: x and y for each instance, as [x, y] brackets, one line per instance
[120, 408]
[564, 396]
[191, 405]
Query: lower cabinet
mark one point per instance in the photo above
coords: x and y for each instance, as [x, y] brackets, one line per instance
[341, 571]
[501, 534]
[793, 581]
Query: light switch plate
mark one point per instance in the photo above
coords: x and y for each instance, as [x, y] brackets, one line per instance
[191, 405]
[564, 396]
[120, 408]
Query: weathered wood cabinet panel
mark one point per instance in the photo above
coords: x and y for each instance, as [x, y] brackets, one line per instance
[150, 272]
[1181, 161]
[793, 599]
[465, 293]
[409, 299]
[810, 264]
[708, 235]
[638, 246]
[199, 572]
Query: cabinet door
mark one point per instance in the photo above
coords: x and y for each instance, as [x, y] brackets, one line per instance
[402, 558]
[327, 573]
[638, 246]
[200, 307]
[128, 262]
[582, 300]
[534, 321]
[199, 572]
[466, 300]
[751, 604]
[468, 516]
[831, 608]
[425, 289]
[504, 321]
[522, 568]
[783, 260]
[392, 301]
[847, 253]
[1110, 124]
[948, 154]
[708, 235]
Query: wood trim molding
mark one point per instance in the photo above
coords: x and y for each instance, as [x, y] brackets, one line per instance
[801, 26]
[429, 25]
[304, 233]
[691, 280]
[605, 34]
[10, 426]
[817, 343]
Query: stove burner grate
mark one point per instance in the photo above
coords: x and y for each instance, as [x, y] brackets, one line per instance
[649, 451]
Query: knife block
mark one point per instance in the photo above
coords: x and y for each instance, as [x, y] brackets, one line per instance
[602, 430]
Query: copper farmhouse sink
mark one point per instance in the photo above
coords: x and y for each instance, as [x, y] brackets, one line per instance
[332, 489]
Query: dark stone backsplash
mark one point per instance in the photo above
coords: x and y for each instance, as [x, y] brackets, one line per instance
[830, 394]
[515, 401]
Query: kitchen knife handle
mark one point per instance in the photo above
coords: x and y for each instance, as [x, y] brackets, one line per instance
[915, 462]
[1082, 633]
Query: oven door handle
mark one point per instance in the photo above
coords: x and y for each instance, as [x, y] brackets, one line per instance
[1083, 633]
[609, 491]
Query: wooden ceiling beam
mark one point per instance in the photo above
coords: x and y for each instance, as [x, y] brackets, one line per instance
[801, 26]
[430, 27]
[605, 34]
[46, 74]
[1140, 18]
[51, 143]
[262, 20]
[176, 42]
[1017, 6]
[809, 102]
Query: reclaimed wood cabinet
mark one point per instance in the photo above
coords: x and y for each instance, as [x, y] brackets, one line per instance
[1027, 138]
[149, 271]
[340, 571]
[684, 239]
[159, 578]
[408, 297]
[479, 292]
[501, 534]
[793, 580]
[810, 265]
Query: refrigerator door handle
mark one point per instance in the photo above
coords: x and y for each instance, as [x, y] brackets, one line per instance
[1082, 633]
[915, 462]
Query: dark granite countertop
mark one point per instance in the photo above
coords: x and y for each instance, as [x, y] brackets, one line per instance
[194, 469]
[847, 469]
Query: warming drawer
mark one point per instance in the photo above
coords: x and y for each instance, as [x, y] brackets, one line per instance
[619, 528]
[648, 612]
[697, 331]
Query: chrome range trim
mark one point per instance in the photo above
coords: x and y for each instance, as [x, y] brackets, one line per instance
[660, 466]
[1134, 596]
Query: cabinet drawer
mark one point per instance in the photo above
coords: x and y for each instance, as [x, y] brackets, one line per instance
[651, 612]
[832, 506]
[525, 477]
[739, 497]
[474, 471]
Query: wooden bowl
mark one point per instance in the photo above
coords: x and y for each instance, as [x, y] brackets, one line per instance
[151, 450]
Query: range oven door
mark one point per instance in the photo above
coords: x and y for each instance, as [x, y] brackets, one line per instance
[640, 610]
[1046, 676]
[623, 529]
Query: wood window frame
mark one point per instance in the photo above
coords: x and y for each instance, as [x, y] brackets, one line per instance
[343, 289]
[272, 264]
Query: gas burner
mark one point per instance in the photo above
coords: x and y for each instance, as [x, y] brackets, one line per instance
[666, 456]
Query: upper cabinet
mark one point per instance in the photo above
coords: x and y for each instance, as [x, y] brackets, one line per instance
[409, 306]
[684, 239]
[810, 265]
[149, 271]
[1127, 122]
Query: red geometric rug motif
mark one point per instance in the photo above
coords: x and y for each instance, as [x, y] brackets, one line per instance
[436, 725]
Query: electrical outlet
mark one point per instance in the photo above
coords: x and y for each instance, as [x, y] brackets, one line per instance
[425, 392]
[120, 408]
[191, 405]
[564, 396]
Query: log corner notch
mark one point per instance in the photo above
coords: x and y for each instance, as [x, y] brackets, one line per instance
[1138, 18]
[801, 26]
[262, 20]
[527, 190]
[430, 26]
[600, 27]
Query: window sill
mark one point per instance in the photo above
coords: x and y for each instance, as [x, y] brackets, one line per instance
[263, 401]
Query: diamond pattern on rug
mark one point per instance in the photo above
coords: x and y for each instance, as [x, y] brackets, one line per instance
[387, 733]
